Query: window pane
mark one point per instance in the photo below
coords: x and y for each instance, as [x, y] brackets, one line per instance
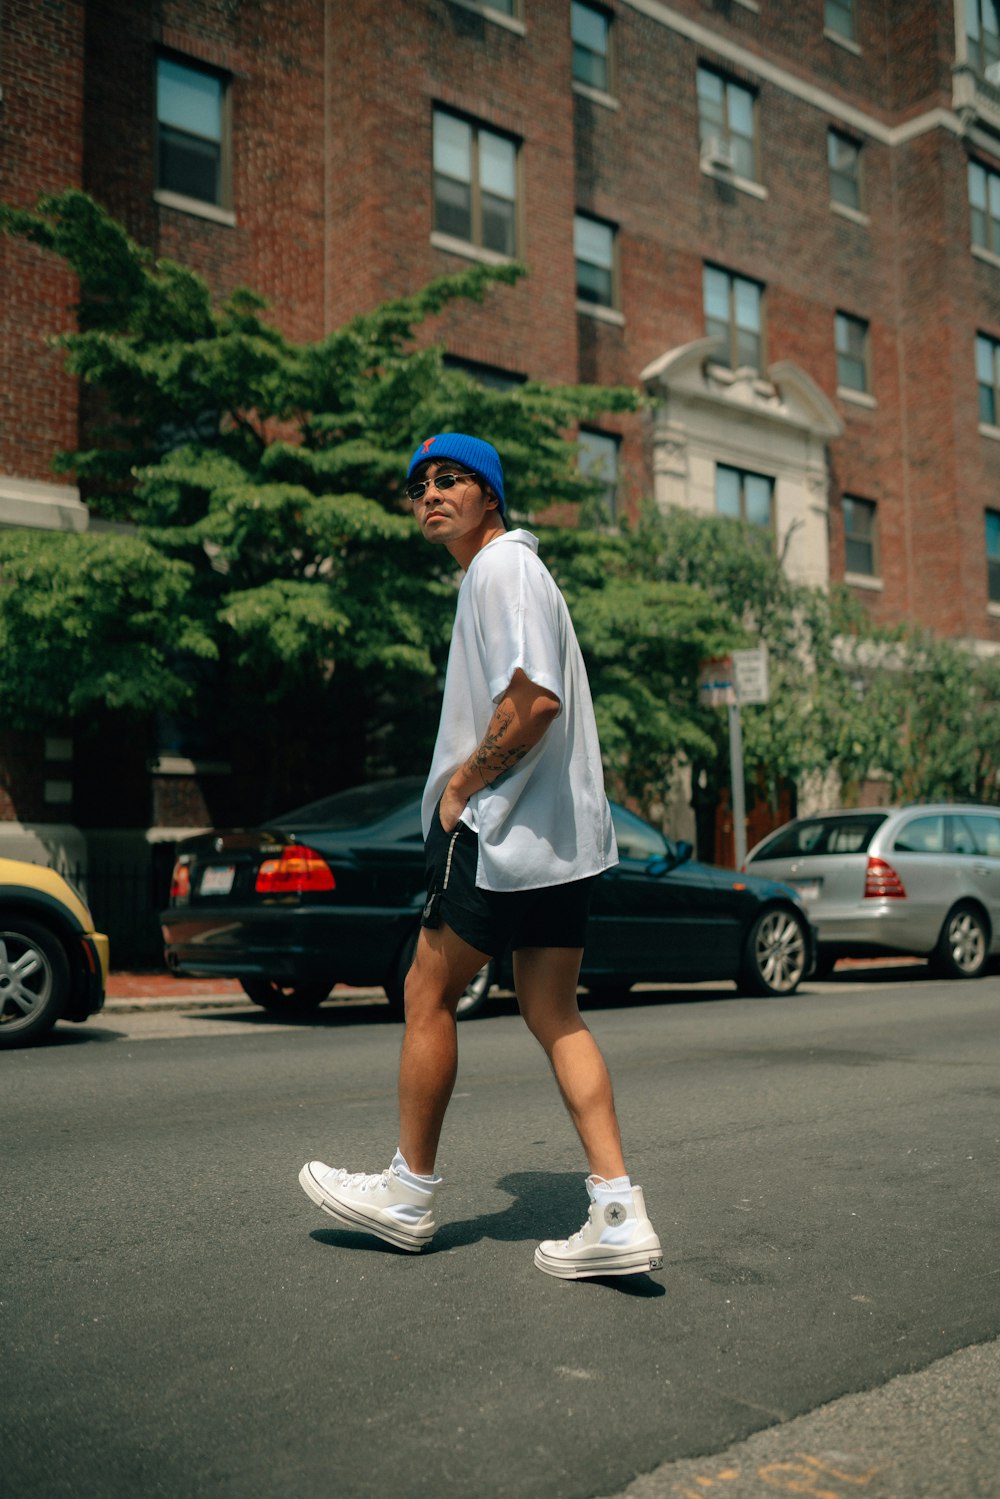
[498, 224]
[839, 17]
[189, 100]
[727, 491]
[977, 185]
[189, 166]
[453, 208]
[592, 241]
[757, 490]
[747, 304]
[497, 172]
[710, 88]
[740, 110]
[588, 27]
[453, 147]
[984, 360]
[598, 458]
[993, 535]
[716, 287]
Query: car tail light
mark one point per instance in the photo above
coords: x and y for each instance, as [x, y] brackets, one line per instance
[180, 880]
[296, 871]
[882, 882]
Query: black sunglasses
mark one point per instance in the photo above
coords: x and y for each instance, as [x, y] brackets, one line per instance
[443, 482]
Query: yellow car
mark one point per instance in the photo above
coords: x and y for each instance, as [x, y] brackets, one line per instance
[53, 965]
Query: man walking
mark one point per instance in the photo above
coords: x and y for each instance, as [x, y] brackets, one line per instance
[517, 828]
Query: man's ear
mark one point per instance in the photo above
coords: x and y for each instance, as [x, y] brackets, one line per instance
[492, 499]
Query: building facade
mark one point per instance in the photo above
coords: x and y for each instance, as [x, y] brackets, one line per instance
[781, 222]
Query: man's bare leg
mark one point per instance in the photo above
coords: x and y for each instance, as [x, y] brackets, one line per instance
[442, 967]
[546, 980]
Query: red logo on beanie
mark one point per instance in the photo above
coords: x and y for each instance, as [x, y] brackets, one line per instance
[427, 444]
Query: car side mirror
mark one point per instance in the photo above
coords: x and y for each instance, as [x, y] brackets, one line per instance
[679, 854]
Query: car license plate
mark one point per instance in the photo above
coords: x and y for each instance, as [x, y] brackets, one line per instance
[808, 889]
[217, 879]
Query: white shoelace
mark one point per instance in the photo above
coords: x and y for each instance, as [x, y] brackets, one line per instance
[364, 1181]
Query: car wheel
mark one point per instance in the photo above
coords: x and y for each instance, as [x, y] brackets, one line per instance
[774, 958]
[286, 999]
[963, 947]
[34, 981]
[471, 1003]
[609, 991]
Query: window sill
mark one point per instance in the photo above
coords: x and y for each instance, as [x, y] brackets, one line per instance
[595, 95]
[195, 207]
[989, 257]
[853, 214]
[179, 765]
[864, 580]
[986, 430]
[464, 247]
[993, 609]
[857, 397]
[742, 184]
[510, 23]
[750, 5]
[602, 314]
[842, 41]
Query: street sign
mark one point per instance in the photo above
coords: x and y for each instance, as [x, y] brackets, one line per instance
[750, 675]
[716, 688]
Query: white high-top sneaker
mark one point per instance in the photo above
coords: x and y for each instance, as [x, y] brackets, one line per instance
[617, 1238]
[392, 1204]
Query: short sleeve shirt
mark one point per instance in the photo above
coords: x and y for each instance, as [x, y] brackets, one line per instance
[546, 821]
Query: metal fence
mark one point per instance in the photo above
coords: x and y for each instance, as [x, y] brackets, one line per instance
[125, 900]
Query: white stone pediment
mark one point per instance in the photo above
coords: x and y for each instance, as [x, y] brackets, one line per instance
[787, 394]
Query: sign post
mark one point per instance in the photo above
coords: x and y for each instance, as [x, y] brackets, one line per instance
[728, 681]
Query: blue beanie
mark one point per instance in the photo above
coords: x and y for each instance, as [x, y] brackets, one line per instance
[471, 452]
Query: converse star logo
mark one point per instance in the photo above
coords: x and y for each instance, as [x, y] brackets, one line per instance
[614, 1214]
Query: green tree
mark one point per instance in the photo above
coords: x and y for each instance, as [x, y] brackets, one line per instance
[271, 580]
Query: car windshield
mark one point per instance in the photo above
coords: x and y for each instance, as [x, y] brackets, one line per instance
[823, 835]
[357, 807]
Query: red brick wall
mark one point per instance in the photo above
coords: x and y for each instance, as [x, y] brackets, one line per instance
[41, 74]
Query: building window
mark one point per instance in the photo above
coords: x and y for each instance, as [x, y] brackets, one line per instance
[598, 457]
[993, 556]
[838, 16]
[860, 537]
[191, 117]
[988, 378]
[844, 160]
[475, 184]
[489, 375]
[984, 201]
[852, 352]
[743, 495]
[982, 30]
[726, 123]
[734, 311]
[590, 30]
[594, 248]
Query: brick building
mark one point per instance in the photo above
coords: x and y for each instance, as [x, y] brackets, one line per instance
[783, 222]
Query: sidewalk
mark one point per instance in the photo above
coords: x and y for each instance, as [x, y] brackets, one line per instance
[158, 989]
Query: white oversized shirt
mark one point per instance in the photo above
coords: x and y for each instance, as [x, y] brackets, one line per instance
[547, 820]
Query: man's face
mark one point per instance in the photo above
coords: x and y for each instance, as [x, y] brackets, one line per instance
[451, 514]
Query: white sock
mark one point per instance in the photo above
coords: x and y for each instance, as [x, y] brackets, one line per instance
[616, 1184]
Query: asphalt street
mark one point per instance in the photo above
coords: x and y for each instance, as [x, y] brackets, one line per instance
[177, 1319]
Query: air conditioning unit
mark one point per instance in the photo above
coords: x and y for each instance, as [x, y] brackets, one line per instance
[718, 152]
[992, 74]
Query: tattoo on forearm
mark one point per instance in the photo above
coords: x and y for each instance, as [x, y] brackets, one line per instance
[492, 757]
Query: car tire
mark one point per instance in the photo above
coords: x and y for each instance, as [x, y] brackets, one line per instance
[472, 1003]
[35, 980]
[290, 1000]
[609, 991]
[774, 955]
[963, 948]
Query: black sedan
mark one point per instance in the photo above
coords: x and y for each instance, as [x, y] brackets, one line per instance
[332, 893]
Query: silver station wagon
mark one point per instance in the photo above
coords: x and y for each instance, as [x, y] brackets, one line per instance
[921, 880]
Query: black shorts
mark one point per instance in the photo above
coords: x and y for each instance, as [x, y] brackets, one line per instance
[491, 920]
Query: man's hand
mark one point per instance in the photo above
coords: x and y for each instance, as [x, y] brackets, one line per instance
[519, 720]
